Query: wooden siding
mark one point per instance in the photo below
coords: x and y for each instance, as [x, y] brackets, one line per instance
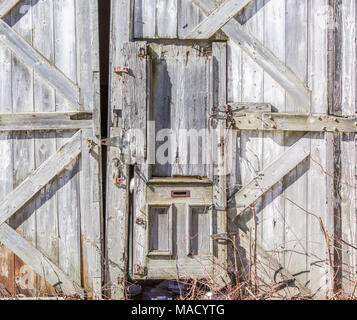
[299, 56]
[63, 220]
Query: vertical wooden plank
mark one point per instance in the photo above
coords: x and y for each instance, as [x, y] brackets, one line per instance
[22, 94]
[319, 269]
[90, 163]
[348, 145]
[295, 183]
[144, 18]
[6, 152]
[45, 143]
[188, 17]
[252, 90]
[220, 143]
[166, 19]
[68, 182]
[117, 215]
[65, 46]
[273, 203]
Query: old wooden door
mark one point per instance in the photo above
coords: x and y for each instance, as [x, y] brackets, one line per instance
[164, 182]
[276, 76]
[50, 203]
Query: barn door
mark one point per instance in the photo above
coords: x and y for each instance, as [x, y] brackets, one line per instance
[166, 93]
[271, 82]
[49, 178]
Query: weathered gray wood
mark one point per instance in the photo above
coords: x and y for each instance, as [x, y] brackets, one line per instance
[200, 231]
[6, 6]
[22, 84]
[36, 61]
[68, 60]
[44, 121]
[90, 193]
[271, 175]
[217, 19]
[144, 18]
[117, 220]
[39, 262]
[347, 87]
[45, 142]
[188, 17]
[219, 143]
[179, 108]
[6, 173]
[295, 202]
[295, 122]
[133, 95]
[166, 24]
[272, 225]
[40, 177]
[262, 56]
[318, 197]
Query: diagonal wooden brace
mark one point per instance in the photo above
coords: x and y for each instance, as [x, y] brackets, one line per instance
[262, 56]
[270, 176]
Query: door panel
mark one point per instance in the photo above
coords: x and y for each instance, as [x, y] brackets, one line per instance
[180, 77]
[49, 70]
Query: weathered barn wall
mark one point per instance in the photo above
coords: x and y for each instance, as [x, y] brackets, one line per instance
[315, 39]
[63, 221]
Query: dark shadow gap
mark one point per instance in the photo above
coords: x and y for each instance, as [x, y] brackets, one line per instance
[104, 7]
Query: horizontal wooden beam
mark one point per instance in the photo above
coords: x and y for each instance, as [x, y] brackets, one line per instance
[270, 176]
[293, 122]
[6, 6]
[45, 121]
[42, 265]
[38, 179]
[262, 56]
[35, 60]
[217, 19]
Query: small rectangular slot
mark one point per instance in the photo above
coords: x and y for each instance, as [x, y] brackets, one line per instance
[199, 231]
[180, 194]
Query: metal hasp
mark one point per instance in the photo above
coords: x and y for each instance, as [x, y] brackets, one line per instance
[294, 122]
[260, 117]
[116, 141]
